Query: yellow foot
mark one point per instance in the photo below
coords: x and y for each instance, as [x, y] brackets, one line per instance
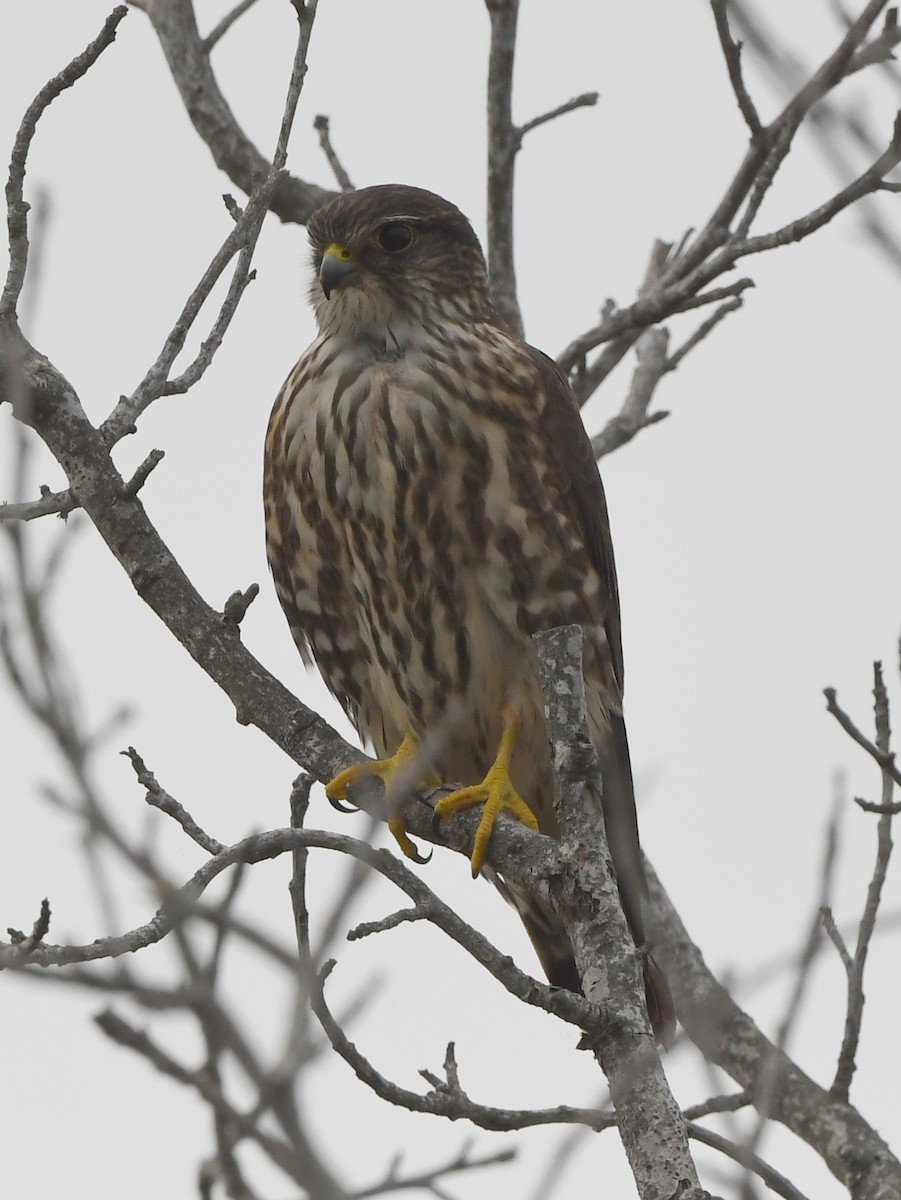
[498, 795]
[390, 771]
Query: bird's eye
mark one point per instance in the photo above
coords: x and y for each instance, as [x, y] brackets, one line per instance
[394, 237]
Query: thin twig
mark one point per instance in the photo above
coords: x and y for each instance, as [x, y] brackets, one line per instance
[717, 247]
[585, 100]
[25, 943]
[869, 807]
[159, 798]
[321, 125]
[16, 208]
[854, 1016]
[300, 802]
[835, 936]
[445, 1099]
[880, 48]
[419, 912]
[734, 1102]
[830, 122]
[732, 54]
[649, 310]
[306, 15]
[241, 241]
[885, 759]
[803, 227]
[703, 330]
[219, 31]
[427, 1180]
[503, 144]
[117, 1029]
[772, 1178]
[650, 351]
[765, 179]
[180, 903]
[50, 503]
[175, 24]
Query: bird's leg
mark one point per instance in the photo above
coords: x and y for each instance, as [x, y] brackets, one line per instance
[496, 792]
[396, 774]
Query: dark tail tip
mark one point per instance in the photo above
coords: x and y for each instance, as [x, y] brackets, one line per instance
[661, 1007]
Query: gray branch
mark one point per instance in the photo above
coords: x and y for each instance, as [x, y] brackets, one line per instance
[850, 1148]
[176, 27]
[854, 1015]
[725, 237]
[503, 144]
[650, 1123]
[16, 208]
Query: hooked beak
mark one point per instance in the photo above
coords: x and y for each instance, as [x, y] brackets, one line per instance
[337, 268]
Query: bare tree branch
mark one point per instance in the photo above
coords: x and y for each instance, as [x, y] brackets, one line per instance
[59, 503]
[732, 54]
[585, 100]
[503, 144]
[884, 758]
[428, 1179]
[880, 48]
[718, 246]
[16, 208]
[834, 934]
[176, 27]
[119, 1030]
[703, 330]
[753, 1162]
[649, 1121]
[446, 1098]
[841, 1085]
[650, 352]
[865, 184]
[616, 1032]
[159, 798]
[221, 29]
[241, 241]
[322, 126]
[832, 124]
[849, 1147]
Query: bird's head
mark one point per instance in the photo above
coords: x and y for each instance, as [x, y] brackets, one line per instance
[389, 260]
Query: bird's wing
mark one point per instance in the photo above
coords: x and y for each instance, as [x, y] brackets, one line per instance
[572, 458]
[569, 449]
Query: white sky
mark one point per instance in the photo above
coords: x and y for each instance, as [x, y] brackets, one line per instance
[756, 533]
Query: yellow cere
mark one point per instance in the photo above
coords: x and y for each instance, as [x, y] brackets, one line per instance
[338, 250]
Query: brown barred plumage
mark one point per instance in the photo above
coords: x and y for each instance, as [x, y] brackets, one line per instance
[432, 501]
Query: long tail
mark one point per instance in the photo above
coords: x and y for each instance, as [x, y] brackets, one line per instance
[621, 824]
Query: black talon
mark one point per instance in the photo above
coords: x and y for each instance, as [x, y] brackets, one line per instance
[342, 806]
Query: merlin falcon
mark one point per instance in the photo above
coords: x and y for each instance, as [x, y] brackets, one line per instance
[432, 501]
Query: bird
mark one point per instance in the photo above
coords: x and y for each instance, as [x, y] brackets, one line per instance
[431, 502]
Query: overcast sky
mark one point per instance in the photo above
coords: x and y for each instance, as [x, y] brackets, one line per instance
[756, 531]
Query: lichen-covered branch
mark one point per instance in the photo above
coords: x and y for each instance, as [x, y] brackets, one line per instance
[649, 1121]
